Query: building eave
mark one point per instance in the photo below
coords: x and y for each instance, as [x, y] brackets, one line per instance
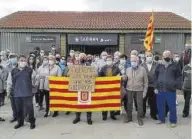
[119, 31]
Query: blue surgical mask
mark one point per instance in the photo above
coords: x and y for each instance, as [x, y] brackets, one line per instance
[133, 64]
[13, 61]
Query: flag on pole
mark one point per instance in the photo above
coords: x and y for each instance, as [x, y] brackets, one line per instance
[106, 97]
[149, 37]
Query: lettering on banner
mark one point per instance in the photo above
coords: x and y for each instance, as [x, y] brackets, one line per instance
[82, 78]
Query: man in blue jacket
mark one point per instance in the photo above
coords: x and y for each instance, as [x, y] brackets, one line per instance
[167, 79]
[22, 92]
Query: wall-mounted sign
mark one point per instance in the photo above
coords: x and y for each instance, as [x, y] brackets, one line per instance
[41, 39]
[93, 39]
[138, 39]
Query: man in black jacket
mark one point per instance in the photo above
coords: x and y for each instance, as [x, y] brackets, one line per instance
[167, 79]
[109, 70]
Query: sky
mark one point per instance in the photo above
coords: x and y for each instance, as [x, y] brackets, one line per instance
[181, 7]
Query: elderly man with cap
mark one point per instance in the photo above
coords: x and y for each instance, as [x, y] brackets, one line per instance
[167, 79]
[82, 57]
[136, 87]
[150, 67]
[116, 57]
[106, 71]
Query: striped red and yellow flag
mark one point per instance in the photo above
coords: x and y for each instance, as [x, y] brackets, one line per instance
[105, 98]
[149, 37]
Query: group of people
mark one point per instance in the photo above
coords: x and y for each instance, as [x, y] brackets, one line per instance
[145, 80]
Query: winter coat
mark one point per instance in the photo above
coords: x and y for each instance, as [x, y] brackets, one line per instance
[137, 79]
[187, 78]
[43, 75]
[168, 79]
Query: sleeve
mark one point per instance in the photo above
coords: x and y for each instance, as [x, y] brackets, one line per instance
[4, 78]
[59, 72]
[9, 84]
[155, 76]
[179, 78]
[145, 81]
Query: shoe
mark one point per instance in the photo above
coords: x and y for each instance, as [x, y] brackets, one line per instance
[185, 115]
[160, 122]
[2, 120]
[154, 117]
[13, 120]
[89, 122]
[67, 113]
[76, 120]
[127, 120]
[104, 118]
[18, 126]
[32, 126]
[113, 118]
[41, 108]
[117, 113]
[140, 122]
[46, 115]
[37, 105]
[55, 114]
[173, 125]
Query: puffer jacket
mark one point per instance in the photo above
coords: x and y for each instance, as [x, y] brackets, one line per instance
[43, 75]
[187, 78]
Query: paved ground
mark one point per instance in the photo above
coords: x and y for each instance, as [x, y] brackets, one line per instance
[62, 128]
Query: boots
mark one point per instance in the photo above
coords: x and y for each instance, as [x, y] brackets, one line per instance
[55, 114]
[77, 119]
[140, 122]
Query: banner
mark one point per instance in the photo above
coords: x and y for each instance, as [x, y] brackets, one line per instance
[106, 96]
[82, 78]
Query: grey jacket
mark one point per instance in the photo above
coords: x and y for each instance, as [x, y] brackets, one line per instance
[43, 75]
[150, 73]
[3, 79]
[137, 79]
[187, 78]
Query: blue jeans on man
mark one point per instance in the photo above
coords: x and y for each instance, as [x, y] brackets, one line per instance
[170, 98]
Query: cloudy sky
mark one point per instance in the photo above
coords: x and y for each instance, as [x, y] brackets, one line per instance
[181, 7]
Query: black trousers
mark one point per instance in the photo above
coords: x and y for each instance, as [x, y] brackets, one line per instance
[89, 114]
[187, 97]
[13, 107]
[105, 113]
[151, 97]
[46, 94]
[37, 96]
[24, 105]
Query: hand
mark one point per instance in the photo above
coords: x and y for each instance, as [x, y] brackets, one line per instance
[156, 91]
[124, 77]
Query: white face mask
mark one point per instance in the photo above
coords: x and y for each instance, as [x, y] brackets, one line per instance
[149, 59]
[68, 64]
[177, 59]
[122, 61]
[71, 54]
[77, 58]
[109, 63]
[22, 64]
[45, 62]
[96, 59]
[104, 57]
[51, 62]
[42, 54]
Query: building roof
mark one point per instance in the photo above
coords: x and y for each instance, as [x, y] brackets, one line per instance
[92, 20]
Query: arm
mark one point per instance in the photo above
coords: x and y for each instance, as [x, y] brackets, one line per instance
[145, 85]
[155, 77]
[178, 77]
[9, 84]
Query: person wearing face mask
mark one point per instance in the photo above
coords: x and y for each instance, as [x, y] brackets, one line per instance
[78, 114]
[76, 59]
[22, 92]
[72, 54]
[89, 60]
[95, 61]
[150, 67]
[185, 56]
[136, 86]
[48, 68]
[58, 58]
[116, 57]
[187, 89]
[4, 59]
[106, 71]
[102, 61]
[32, 65]
[167, 79]
[62, 63]
[13, 64]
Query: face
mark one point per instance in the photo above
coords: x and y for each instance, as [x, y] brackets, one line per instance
[31, 60]
[109, 61]
[22, 62]
[167, 56]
